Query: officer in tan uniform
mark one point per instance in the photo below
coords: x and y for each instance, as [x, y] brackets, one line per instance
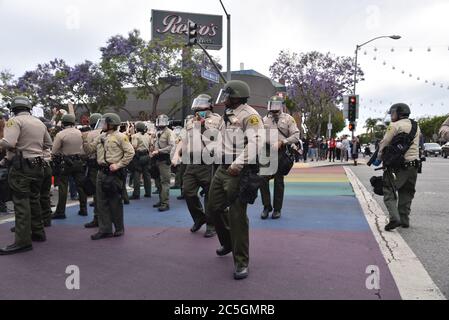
[141, 143]
[444, 131]
[400, 183]
[165, 142]
[114, 153]
[92, 165]
[45, 195]
[199, 171]
[287, 130]
[232, 225]
[25, 138]
[68, 146]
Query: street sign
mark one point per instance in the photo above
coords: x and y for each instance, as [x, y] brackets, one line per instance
[330, 127]
[209, 75]
[165, 24]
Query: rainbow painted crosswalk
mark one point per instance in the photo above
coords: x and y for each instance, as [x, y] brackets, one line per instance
[320, 249]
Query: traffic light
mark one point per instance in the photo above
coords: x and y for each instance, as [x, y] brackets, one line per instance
[352, 127]
[352, 109]
[193, 34]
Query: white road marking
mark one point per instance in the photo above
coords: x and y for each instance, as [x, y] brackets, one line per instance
[13, 219]
[412, 279]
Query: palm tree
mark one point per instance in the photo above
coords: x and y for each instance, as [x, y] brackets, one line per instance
[370, 126]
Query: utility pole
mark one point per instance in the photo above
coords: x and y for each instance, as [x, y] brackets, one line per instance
[329, 126]
[228, 17]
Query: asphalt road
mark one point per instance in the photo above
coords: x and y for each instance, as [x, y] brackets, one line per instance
[429, 233]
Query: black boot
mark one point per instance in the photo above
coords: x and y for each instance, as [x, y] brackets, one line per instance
[266, 213]
[38, 238]
[223, 252]
[100, 236]
[58, 217]
[392, 226]
[276, 215]
[14, 249]
[241, 273]
[197, 226]
[92, 225]
[157, 205]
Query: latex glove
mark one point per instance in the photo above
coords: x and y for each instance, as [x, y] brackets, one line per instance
[377, 163]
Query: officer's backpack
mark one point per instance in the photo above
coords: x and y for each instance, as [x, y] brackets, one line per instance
[393, 156]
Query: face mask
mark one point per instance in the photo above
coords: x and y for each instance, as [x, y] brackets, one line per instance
[202, 114]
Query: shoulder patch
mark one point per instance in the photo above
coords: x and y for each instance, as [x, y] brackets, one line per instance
[254, 120]
[10, 123]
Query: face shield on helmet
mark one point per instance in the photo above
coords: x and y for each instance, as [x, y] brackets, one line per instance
[162, 121]
[201, 104]
[151, 127]
[223, 96]
[187, 120]
[275, 106]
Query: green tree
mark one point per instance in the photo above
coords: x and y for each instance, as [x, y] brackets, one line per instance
[371, 126]
[431, 126]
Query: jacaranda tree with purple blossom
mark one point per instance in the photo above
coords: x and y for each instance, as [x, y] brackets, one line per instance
[316, 83]
[152, 67]
[94, 90]
[48, 84]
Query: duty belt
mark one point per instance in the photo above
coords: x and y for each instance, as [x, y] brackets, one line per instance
[412, 164]
[35, 162]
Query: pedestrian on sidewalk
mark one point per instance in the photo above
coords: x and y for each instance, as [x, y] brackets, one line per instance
[305, 145]
[332, 149]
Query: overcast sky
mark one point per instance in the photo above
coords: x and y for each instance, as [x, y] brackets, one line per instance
[37, 31]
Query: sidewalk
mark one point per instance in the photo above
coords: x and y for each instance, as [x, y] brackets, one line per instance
[320, 249]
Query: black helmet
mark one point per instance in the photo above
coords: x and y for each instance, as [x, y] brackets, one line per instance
[141, 127]
[21, 102]
[401, 109]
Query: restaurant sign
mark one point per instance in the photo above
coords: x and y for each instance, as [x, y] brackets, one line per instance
[175, 24]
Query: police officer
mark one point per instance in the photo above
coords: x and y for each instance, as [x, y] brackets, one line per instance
[288, 133]
[25, 138]
[225, 188]
[198, 173]
[68, 145]
[165, 142]
[45, 196]
[141, 143]
[92, 165]
[114, 153]
[400, 183]
[3, 183]
[444, 131]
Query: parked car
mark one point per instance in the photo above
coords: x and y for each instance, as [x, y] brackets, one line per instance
[445, 150]
[432, 149]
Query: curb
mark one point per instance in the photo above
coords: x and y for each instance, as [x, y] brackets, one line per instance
[412, 279]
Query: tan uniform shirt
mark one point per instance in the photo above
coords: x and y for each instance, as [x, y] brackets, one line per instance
[444, 132]
[243, 119]
[115, 146]
[68, 142]
[193, 140]
[395, 128]
[26, 134]
[165, 141]
[286, 127]
[141, 142]
[90, 137]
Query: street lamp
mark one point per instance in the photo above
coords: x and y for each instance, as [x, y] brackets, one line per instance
[228, 16]
[394, 37]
